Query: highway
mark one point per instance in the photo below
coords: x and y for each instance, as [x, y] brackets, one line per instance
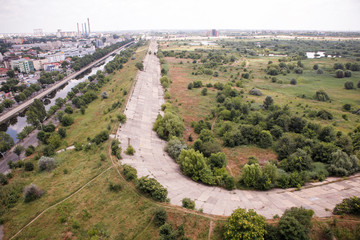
[8, 115]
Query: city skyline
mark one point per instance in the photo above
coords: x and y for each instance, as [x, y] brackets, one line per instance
[22, 16]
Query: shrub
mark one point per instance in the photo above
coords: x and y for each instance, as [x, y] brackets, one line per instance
[265, 139]
[101, 137]
[251, 174]
[327, 134]
[349, 85]
[347, 107]
[29, 166]
[174, 147]
[140, 66]
[204, 91]
[121, 118]
[104, 95]
[46, 163]
[347, 74]
[190, 86]
[32, 192]
[293, 81]
[68, 110]
[339, 66]
[298, 161]
[343, 165]
[269, 101]
[165, 82]
[295, 223]
[348, 206]
[62, 132]
[29, 150]
[255, 92]
[197, 84]
[152, 187]
[193, 164]
[339, 73]
[316, 67]
[129, 172]
[244, 225]
[171, 125]
[66, 120]
[188, 203]
[115, 187]
[3, 179]
[160, 217]
[298, 70]
[323, 114]
[322, 96]
[319, 71]
[130, 150]
[217, 160]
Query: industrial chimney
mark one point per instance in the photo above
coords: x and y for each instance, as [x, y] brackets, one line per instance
[89, 25]
[78, 30]
[82, 26]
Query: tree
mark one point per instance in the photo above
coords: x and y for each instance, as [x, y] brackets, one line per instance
[251, 174]
[32, 192]
[266, 139]
[140, 66]
[322, 96]
[174, 147]
[347, 73]
[217, 160]
[269, 101]
[293, 81]
[298, 161]
[188, 203]
[66, 120]
[8, 103]
[327, 134]
[160, 217]
[343, 165]
[316, 67]
[36, 113]
[349, 85]
[168, 126]
[204, 91]
[193, 164]
[244, 225]
[18, 150]
[338, 66]
[295, 223]
[6, 142]
[10, 73]
[339, 73]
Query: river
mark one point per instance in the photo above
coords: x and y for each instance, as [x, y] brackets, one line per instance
[17, 124]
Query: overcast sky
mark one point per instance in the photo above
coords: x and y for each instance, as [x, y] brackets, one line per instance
[25, 15]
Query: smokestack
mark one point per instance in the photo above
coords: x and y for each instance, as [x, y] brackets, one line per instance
[78, 29]
[89, 25]
[82, 26]
[85, 30]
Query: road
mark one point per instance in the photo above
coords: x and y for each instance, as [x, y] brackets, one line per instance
[8, 115]
[150, 159]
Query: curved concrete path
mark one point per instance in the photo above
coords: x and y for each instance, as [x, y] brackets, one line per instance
[150, 159]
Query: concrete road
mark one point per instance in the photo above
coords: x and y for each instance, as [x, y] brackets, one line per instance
[6, 116]
[150, 159]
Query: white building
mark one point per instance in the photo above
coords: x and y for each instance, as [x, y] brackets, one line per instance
[58, 57]
[38, 64]
[1, 57]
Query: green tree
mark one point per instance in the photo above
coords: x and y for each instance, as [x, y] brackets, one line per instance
[140, 66]
[36, 113]
[349, 85]
[18, 150]
[66, 120]
[269, 101]
[251, 174]
[266, 139]
[339, 73]
[168, 126]
[10, 73]
[6, 142]
[193, 164]
[8, 103]
[298, 161]
[244, 225]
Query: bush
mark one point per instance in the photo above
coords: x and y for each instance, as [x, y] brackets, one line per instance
[339, 73]
[255, 92]
[348, 206]
[190, 86]
[130, 150]
[115, 187]
[349, 85]
[347, 107]
[295, 223]
[140, 66]
[101, 137]
[129, 172]
[298, 70]
[322, 96]
[121, 118]
[160, 217]
[204, 91]
[152, 187]
[316, 67]
[343, 165]
[68, 110]
[29, 166]
[217, 160]
[171, 125]
[3, 179]
[298, 161]
[293, 81]
[244, 225]
[29, 150]
[62, 132]
[188, 203]
[174, 147]
[251, 175]
[32, 192]
[46, 163]
[104, 95]
[193, 164]
[266, 139]
[323, 114]
[66, 120]
[319, 71]
[347, 74]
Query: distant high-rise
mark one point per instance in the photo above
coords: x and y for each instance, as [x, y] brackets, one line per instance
[78, 32]
[86, 34]
[214, 33]
[89, 25]
[82, 26]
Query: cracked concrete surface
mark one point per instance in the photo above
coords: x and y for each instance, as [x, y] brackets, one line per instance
[150, 159]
